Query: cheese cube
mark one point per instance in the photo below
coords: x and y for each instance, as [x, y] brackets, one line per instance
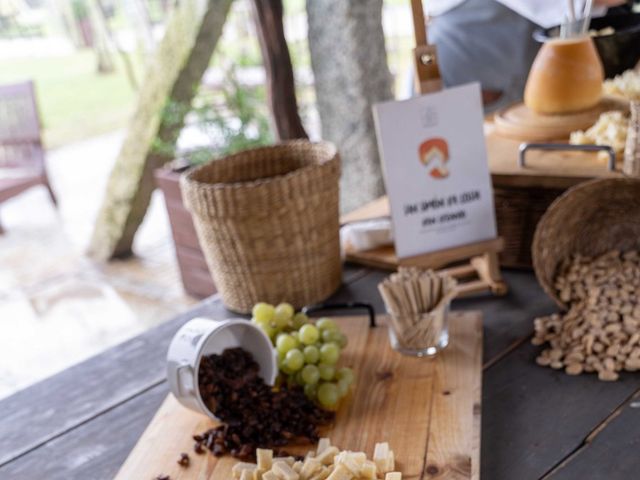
[240, 467]
[327, 455]
[269, 476]
[310, 467]
[284, 472]
[297, 466]
[323, 444]
[322, 474]
[246, 475]
[258, 473]
[288, 460]
[369, 470]
[393, 476]
[265, 458]
[391, 461]
[381, 454]
[340, 473]
[353, 461]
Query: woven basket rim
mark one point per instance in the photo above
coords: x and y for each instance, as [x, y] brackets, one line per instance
[558, 204]
[332, 155]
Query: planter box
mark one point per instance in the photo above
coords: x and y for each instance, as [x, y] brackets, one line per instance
[196, 278]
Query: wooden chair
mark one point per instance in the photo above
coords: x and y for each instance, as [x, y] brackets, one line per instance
[21, 153]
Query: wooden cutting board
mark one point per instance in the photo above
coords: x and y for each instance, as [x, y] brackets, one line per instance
[427, 409]
[519, 122]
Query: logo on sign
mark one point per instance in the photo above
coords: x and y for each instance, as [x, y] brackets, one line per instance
[434, 154]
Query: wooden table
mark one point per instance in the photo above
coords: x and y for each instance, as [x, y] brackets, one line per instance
[537, 423]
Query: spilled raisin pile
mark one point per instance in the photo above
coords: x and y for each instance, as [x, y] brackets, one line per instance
[253, 414]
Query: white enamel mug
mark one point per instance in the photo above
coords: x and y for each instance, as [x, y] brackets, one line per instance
[202, 336]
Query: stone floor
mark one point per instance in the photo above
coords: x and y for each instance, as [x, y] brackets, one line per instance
[58, 307]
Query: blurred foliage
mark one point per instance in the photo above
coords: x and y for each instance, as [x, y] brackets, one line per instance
[236, 120]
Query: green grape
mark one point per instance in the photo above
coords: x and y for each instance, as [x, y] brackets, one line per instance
[343, 387]
[268, 330]
[311, 354]
[342, 340]
[294, 360]
[345, 374]
[329, 353]
[327, 372]
[299, 378]
[299, 319]
[263, 312]
[325, 323]
[285, 342]
[331, 336]
[311, 390]
[328, 395]
[261, 322]
[284, 368]
[283, 314]
[310, 374]
[308, 334]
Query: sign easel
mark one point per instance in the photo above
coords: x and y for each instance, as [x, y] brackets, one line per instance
[483, 256]
[477, 262]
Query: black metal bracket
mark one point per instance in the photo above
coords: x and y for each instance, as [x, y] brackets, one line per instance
[319, 307]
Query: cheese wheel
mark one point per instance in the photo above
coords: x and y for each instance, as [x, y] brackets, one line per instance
[566, 77]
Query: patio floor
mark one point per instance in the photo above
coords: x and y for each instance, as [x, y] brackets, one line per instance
[58, 307]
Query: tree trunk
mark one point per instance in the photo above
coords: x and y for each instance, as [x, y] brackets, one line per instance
[277, 63]
[173, 75]
[349, 63]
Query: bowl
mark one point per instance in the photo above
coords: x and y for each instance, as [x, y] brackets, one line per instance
[619, 51]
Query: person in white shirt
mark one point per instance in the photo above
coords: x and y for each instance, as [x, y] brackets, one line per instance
[490, 41]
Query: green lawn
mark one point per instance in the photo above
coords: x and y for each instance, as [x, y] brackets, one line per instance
[75, 101]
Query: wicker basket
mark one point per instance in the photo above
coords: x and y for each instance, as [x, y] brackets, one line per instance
[589, 219]
[268, 223]
[518, 211]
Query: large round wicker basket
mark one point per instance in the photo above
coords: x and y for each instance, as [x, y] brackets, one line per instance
[268, 222]
[589, 219]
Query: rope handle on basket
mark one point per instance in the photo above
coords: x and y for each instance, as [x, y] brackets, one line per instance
[319, 307]
[427, 72]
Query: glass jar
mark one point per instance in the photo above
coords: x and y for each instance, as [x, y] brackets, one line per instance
[421, 335]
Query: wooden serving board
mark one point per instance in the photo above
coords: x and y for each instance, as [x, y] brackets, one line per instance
[519, 122]
[427, 409]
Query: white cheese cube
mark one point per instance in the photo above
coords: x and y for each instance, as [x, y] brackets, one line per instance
[309, 468]
[369, 471]
[265, 458]
[323, 444]
[393, 476]
[297, 466]
[284, 471]
[246, 475]
[322, 474]
[340, 473]
[327, 455]
[381, 455]
[269, 476]
[240, 467]
[288, 460]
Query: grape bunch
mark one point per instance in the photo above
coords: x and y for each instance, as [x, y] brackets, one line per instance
[308, 353]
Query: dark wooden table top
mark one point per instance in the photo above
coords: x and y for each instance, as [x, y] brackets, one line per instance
[536, 422]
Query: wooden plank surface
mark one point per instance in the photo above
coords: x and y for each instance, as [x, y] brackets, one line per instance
[527, 428]
[392, 402]
[57, 405]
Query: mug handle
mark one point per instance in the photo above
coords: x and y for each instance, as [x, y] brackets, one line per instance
[179, 384]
